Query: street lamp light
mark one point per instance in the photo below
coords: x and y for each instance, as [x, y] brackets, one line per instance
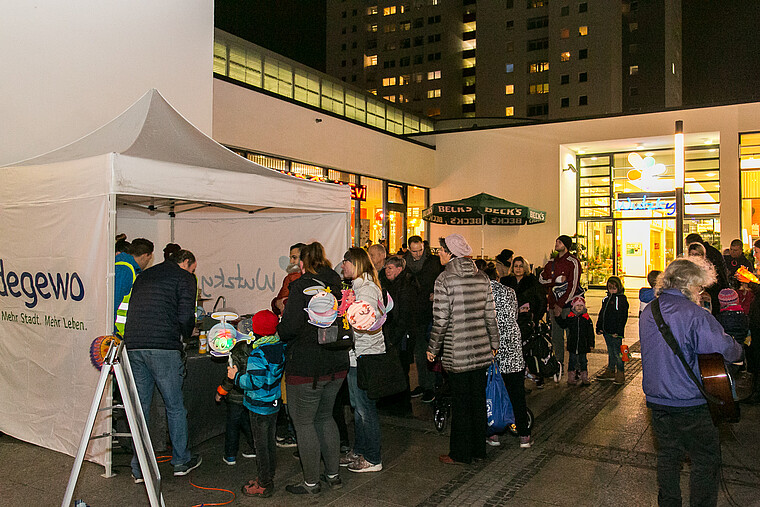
[679, 181]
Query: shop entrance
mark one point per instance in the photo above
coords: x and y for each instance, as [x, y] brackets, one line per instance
[643, 246]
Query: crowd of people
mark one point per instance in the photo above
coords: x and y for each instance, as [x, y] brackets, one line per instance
[285, 385]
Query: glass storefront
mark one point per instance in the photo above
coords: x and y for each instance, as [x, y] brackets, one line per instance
[626, 210]
[381, 210]
[749, 159]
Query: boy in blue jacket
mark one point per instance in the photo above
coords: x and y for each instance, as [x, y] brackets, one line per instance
[261, 387]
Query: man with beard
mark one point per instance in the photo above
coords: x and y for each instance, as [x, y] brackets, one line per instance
[294, 273]
[424, 268]
[715, 258]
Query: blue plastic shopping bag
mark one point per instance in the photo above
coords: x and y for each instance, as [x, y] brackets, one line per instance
[498, 407]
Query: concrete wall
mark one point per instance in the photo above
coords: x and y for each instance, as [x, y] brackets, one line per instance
[249, 119]
[70, 67]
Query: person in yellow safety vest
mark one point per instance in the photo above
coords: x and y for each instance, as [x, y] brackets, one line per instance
[128, 265]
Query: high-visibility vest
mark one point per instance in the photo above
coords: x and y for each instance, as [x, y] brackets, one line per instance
[121, 312]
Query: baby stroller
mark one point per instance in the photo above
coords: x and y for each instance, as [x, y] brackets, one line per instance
[538, 353]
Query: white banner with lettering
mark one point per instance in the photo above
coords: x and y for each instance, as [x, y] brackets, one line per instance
[243, 258]
[53, 273]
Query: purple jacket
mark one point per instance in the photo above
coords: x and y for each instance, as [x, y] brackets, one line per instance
[697, 332]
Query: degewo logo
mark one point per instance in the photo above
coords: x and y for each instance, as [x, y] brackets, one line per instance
[40, 285]
[646, 174]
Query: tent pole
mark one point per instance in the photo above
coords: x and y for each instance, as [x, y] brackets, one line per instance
[110, 286]
[482, 236]
[171, 223]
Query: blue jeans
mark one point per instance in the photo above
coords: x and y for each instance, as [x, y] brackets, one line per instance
[577, 362]
[366, 421]
[165, 369]
[614, 357]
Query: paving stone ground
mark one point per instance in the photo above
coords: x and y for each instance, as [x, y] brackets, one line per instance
[593, 446]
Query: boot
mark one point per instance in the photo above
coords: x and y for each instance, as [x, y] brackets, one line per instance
[619, 378]
[584, 378]
[606, 375]
[572, 378]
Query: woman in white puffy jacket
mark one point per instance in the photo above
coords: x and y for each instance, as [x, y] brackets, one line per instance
[365, 456]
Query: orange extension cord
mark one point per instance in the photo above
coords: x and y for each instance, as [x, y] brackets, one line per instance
[164, 459]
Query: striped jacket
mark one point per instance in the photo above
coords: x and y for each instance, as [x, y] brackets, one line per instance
[260, 381]
[464, 318]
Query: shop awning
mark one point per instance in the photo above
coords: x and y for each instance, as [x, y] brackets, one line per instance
[482, 209]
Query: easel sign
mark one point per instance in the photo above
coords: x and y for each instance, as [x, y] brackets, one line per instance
[118, 361]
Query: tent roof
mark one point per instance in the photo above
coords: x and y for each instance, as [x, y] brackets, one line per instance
[152, 129]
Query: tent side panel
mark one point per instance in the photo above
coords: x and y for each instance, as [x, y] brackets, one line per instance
[53, 279]
[138, 176]
[63, 180]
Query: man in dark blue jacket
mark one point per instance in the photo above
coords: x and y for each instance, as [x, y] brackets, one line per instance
[680, 418]
[162, 313]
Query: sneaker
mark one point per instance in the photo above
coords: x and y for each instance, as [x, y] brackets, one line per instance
[526, 442]
[286, 442]
[138, 480]
[249, 453]
[428, 397]
[493, 441]
[607, 374]
[417, 392]
[303, 489]
[349, 458]
[362, 465]
[180, 470]
[230, 460]
[332, 482]
[619, 378]
[253, 488]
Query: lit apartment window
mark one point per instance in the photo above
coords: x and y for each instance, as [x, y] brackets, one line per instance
[373, 92]
[372, 27]
[389, 10]
[564, 33]
[565, 56]
[390, 98]
[633, 70]
[370, 60]
[582, 54]
[564, 102]
[372, 10]
[418, 77]
[582, 31]
[431, 94]
[583, 100]
[538, 89]
[389, 81]
[510, 67]
[405, 25]
[534, 4]
[510, 89]
[510, 111]
[404, 79]
[436, 74]
[389, 28]
[538, 67]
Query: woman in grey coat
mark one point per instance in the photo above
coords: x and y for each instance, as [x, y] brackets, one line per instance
[464, 325]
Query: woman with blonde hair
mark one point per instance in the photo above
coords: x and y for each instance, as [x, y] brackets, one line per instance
[365, 456]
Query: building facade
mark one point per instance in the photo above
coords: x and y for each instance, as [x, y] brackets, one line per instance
[531, 59]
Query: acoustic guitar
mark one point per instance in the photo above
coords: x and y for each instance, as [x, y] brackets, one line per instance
[718, 384]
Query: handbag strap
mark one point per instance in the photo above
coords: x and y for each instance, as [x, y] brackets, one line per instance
[673, 344]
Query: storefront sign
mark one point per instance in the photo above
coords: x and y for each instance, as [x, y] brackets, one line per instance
[358, 192]
[645, 202]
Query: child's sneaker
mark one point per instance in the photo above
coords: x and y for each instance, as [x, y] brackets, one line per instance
[303, 489]
[526, 442]
[230, 460]
[286, 442]
[249, 453]
[362, 465]
[493, 441]
[253, 488]
[138, 480]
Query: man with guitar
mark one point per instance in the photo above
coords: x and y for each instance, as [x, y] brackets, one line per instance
[681, 420]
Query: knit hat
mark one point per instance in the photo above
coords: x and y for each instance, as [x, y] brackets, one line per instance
[264, 323]
[567, 241]
[728, 297]
[505, 257]
[457, 245]
[578, 299]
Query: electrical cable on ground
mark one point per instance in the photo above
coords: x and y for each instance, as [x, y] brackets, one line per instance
[165, 459]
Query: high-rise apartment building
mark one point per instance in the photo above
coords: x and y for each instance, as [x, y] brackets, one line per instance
[542, 59]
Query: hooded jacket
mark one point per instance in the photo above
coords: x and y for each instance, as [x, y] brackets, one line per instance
[614, 315]
[464, 317]
[580, 339]
[305, 357]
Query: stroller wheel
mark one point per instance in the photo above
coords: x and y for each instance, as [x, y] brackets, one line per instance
[440, 418]
[513, 427]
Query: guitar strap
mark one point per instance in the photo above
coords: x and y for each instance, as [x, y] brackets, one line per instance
[673, 344]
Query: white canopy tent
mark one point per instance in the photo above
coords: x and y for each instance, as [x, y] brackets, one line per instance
[148, 173]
